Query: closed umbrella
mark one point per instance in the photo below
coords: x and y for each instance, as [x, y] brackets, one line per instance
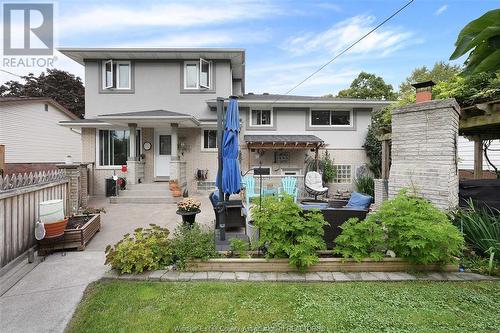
[231, 176]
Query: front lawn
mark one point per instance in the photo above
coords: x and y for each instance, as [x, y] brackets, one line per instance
[121, 306]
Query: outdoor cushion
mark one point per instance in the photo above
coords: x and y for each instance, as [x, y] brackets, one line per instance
[315, 205]
[359, 200]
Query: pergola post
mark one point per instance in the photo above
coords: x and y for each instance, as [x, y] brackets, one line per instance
[316, 157]
[478, 159]
[385, 159]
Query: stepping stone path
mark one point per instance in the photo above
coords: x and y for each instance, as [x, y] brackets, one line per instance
[169, 275]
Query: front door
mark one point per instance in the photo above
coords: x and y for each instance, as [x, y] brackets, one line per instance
[163, 152]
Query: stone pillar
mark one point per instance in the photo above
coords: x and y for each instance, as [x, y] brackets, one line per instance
[84, 181]
[381, 191]
[72, 172]
[424, 151]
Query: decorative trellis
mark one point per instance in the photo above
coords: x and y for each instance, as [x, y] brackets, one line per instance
[10, 182]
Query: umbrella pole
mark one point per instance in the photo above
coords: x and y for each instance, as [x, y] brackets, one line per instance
[220, 134]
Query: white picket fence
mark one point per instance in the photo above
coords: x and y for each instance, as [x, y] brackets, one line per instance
[20, 196]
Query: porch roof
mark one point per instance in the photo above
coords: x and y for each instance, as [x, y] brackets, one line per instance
[283, 141]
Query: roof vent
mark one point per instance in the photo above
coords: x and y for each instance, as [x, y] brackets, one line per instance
[265, 94]
[250, 93]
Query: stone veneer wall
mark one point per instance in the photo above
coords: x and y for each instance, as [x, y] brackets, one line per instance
[424, 151]
[381, 191]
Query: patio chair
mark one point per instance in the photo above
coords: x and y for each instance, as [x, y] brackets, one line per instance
[249, 184]
[313, 184]
[289, 186]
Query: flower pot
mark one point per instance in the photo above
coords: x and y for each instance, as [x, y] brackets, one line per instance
[176, 193]
[188, 217]
[55, 229]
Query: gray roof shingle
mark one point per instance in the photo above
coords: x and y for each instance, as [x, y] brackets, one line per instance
[152, 113]
[281, 138]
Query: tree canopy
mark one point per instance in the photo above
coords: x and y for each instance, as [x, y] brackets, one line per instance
[482, 38]
[65, 88]
[368, 85]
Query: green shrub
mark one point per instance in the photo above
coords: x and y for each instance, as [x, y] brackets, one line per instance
[193, 242]
[239, 247]
[365, 184]
[287, 232]
[360, 240]
[413, 228]
[481, 228]
[146, 249]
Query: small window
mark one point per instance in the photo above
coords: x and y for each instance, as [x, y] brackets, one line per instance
[198, 74]
[165, 147]
[116, 74]
[209, 139]
[343, 175]
[46, 107]
[261, 118]
[330, 118]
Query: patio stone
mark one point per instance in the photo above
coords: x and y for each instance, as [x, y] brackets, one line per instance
[326, 276]
[156, 275]
[475, 277]
[453, 276]
[111, 274]
[366, 276]
[281, 276]
[296, 277]
[339, 276]
[432, 276]
[381, 276]
[354, 276]
[197, 276]
[135, 277]
[270, 276]
[214, 275]
[228, 276]
[256, 276]
[185, 276]
[170, 276]
[313, 277]
[400, 276]
[242, 276]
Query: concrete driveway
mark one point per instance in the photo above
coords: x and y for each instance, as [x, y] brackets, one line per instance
[45, 299]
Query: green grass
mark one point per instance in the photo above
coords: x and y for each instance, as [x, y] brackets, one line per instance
[121, 306]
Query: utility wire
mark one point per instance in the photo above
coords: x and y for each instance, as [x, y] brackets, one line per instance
[3, 70]
[345, 50]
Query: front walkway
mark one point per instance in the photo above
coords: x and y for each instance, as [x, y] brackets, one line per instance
[44, 300]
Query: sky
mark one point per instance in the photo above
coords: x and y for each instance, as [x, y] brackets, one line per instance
[285, 41]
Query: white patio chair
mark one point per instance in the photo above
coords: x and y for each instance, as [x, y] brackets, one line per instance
[314, 184]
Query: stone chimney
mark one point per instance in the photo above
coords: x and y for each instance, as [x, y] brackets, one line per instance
[423, 91]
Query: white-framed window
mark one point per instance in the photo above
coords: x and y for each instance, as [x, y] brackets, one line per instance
[261, 118]
[266, 170]
[332, 118]
[116, 74]
[344, 174]
[112, 147]
[198, 74]
[209, 139]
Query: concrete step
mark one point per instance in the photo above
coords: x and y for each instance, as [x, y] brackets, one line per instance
[143, 200]
[146, 193]
[149, 186]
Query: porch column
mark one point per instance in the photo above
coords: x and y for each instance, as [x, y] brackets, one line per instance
[174, 128]
[175, 167]
[133, 137]
[478, 159]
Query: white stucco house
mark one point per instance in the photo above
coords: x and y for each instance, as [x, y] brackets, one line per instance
[32, 136]
[154, 110]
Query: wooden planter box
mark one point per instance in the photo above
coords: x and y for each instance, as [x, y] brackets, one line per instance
[74, 238]
[324, 265]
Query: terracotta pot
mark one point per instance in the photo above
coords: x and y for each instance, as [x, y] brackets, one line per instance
[55, 229]
[177, 193]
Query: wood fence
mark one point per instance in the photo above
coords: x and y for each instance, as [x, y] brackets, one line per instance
[20, 196]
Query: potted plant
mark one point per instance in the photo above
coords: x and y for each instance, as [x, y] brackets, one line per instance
[188, 208]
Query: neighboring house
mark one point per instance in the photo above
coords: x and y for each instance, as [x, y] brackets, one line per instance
[155, 111]
[33, 139]
[466, 158]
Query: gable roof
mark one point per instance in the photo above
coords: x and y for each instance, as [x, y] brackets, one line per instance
[15, 100]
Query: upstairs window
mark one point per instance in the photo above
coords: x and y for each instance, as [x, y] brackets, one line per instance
[261, 118]
[331, 118]
[116, 74]
[198, 74]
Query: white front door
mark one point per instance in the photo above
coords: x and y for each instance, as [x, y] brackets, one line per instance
[163, 153]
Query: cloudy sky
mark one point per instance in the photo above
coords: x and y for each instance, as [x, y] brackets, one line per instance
[285, 40]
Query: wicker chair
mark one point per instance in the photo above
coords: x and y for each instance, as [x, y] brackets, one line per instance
[314, 184]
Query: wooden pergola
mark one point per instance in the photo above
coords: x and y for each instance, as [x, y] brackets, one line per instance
[478, 123]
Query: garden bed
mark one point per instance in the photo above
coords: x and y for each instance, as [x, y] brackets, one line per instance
[78, 232]
[324, 265]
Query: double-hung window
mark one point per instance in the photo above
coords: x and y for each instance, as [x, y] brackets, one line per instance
[116, 74]
[261, 118]
[333, 118]
[209, 139]
[198, 74]
[113, 147]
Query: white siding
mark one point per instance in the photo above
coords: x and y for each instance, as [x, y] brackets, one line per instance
[466, 155]
[32, 135]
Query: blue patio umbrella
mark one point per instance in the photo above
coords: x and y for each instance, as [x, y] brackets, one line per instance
[231, 176]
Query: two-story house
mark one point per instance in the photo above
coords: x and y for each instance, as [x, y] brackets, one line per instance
[154, 110]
